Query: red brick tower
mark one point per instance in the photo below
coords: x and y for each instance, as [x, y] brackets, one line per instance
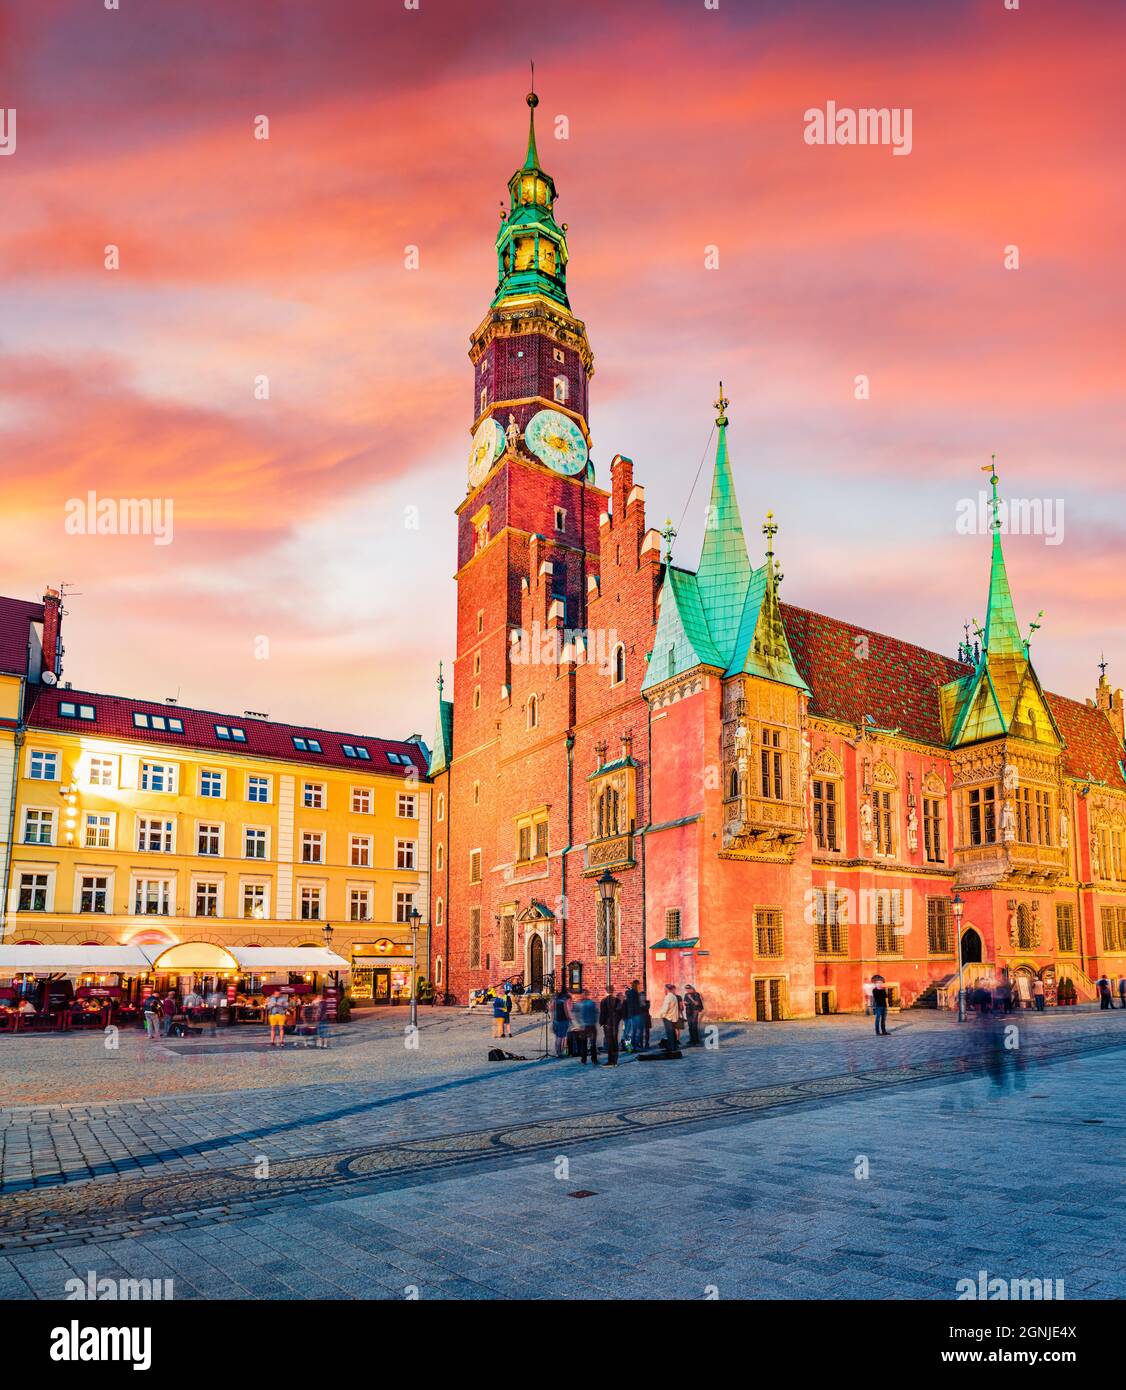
[512, 758]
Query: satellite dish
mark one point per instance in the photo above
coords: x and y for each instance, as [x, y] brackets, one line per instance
[49, 678]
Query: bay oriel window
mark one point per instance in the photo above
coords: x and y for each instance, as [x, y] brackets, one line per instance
[981, 802]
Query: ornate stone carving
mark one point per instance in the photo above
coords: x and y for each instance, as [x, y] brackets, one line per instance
[912, 829]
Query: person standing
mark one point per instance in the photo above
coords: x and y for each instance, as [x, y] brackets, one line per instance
[560, 1018]
[880, 1009]
[646, 1025]
[152, 1016]
[1038, 998]
[500, 1013]
[167, 1012]
[633, 1016]
[586, 1011]
[868, 987]
[1122, 991]
[508, 1011]
[1103, 986]
[275, 1018]
[609, 1017]
[670, 1016]
[693, 1012]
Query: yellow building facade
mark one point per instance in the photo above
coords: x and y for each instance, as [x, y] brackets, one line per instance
[144, 823]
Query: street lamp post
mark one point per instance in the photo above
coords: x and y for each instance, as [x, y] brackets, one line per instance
[608, 887]
[959, 907]
[326, 932]
[416, 918]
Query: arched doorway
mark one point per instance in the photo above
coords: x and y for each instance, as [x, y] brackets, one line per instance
[535, 963]
[971, 946]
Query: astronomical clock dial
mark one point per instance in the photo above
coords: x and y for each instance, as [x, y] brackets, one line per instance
[557, 441]
[487, 447]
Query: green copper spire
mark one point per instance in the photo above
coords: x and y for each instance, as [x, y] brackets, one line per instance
[1002, 694]
[1002, 630]
[725, 570]
[443, 731]
[533, 159]
[531, 245]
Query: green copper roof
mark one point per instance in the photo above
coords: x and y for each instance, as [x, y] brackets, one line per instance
[443, 734]
[725, 570]
[531, 245]
[1002, 631]
[761, 645]
[996, 699]
[533, 159]
[682, 639]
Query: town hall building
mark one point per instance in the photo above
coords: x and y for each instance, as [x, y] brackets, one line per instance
[673, 773]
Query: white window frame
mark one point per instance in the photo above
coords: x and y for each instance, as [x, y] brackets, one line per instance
[268, 781]
[320, 791]
[168, 833]
[168, 880]
[22, 871]
[311, 839]
[112, 817]
[409, 801]
[213, 772]
[410, 894]
[243, 884]
[255, 858]
[172, 769]
[406, 849]
[45, 753]
[86, 871]
[365, 796]
[364, 844]
[220, 853]
[103, 760]
[218, 881]
[369, 901]
[311, 888]
[52, 813]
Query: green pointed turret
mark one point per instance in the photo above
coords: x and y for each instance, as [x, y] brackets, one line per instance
[531, 245]
[1002, 631]
[724, 571]
[443, 732]
[762, 647]
[1002, 695]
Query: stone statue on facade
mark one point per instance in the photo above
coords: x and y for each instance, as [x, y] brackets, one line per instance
[512, 433]
[1010, 778]
[1065, 830]
[912, 829]
[866, 823]
[1008, 823]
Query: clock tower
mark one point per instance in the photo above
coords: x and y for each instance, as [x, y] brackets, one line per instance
[528, 525]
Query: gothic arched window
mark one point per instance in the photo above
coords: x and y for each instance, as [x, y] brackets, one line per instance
[733, 784]
[561, 389]
[533, 712]
[619, 664]
[608, 807]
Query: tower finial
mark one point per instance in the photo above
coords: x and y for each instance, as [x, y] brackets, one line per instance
[995, 503]
[668, 535]
[770, 530]
[721, 405]
[1102, 666]
[533, 159]
[441, 681]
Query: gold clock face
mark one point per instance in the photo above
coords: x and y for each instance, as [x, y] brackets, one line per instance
[487, 447]
[556, 440]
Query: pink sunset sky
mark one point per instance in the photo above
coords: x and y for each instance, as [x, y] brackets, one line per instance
[392, 127]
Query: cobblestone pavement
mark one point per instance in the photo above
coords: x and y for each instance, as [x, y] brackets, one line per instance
[431, 1168]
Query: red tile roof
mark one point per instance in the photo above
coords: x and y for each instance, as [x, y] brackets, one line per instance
[1090, 744]
[265, 738]
[15, 617]
[897, 684]
[852, 672]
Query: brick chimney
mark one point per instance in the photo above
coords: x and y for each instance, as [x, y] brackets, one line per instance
[53, 631]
